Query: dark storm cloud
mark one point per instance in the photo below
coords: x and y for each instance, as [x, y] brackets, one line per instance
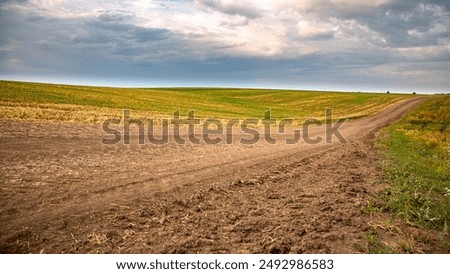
[401, 23]
[443, 3]
[405, 23]
[116, 30]
[107, 35]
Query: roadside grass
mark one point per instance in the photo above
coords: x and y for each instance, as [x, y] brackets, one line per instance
[376, 246]
[35, 101]
[416, 153]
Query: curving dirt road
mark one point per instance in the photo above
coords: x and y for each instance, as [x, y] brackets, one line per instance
[63, 191]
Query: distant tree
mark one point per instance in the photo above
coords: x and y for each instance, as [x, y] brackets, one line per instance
[388, 92]
[414, 92]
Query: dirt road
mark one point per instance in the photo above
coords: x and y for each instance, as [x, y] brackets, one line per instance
[63, 191]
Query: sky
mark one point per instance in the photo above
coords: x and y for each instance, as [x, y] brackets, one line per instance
[357, 45]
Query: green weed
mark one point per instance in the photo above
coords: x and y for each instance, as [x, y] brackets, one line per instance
[375, 246]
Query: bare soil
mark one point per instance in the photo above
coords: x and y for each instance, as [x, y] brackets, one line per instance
[63, 191]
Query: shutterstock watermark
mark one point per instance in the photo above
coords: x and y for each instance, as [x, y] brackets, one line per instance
[192, 130]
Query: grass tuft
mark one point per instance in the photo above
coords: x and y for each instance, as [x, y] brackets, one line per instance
[376, 246]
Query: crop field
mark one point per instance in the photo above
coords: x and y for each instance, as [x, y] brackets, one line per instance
[32, 101]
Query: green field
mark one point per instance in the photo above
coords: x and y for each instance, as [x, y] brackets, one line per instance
[33, 101]
[416, 153]
[417, 163]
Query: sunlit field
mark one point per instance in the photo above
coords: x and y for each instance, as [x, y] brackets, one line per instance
[32, 101]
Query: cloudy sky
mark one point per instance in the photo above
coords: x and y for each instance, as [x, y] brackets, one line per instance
[369, 45]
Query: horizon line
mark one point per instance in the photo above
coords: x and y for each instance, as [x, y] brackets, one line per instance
[72, 83]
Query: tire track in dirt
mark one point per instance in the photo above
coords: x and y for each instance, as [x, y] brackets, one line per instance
[266, 198]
